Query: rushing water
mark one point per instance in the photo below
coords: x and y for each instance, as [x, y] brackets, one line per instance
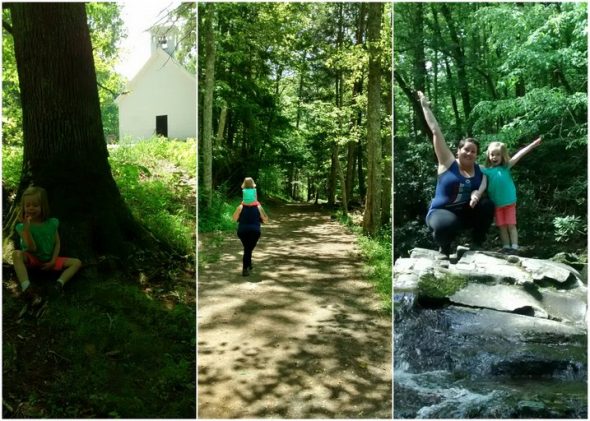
[454, 362]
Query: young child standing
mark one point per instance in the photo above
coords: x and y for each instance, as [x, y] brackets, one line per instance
[39, 241]
[502, 190]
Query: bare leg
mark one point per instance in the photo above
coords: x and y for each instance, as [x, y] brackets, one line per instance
[513, 235]
[504, 236]
[18, 257]
[72, 266]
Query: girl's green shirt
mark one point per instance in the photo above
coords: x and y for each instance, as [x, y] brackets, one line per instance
[44, 236]
[248, 196]
[501, 188]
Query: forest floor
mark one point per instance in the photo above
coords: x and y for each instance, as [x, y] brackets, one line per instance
[105, 348]
[304, 336]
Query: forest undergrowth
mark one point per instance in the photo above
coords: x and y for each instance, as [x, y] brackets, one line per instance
[114, 345]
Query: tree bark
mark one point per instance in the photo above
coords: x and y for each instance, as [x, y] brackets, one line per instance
[372, 214]
[333, 174]
[221, 125]
[207, 142]
[387, 167]
[413, 100]
[64, 146]
[357, 89]
[419, 62]
[459, 56]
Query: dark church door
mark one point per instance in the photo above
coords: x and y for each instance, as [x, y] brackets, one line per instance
[162, 125]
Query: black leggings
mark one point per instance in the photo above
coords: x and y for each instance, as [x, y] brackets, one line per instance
[446, 224]
[249, 240]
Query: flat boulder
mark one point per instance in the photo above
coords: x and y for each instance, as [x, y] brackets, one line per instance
[486, 280]
[510, 298]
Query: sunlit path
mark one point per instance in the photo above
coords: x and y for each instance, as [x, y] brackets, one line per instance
[303, 336]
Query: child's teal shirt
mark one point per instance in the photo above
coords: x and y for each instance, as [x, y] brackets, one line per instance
[44, 237]
[248, 196]
[501, 188]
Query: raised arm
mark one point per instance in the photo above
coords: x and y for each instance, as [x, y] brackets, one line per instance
[518, 155]
[443, 154]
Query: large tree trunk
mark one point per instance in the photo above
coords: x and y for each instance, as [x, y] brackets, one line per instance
[64, 146]
[357, 90]
[372, 214]
[387, 167]
[332, 181]
[208, 104]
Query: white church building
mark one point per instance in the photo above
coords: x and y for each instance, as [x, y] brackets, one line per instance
[161, 99]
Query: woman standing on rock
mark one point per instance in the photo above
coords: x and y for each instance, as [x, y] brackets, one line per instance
[458, 202]
[249, 219]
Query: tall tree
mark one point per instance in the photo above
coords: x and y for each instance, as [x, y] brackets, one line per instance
[372, 214]
[64, 145]
[106, 30]
[207, 141]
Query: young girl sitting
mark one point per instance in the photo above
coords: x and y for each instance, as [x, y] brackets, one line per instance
[39, 241]
[249, 196]
[502, 190]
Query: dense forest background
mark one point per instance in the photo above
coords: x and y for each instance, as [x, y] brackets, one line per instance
[506, 72]
[290, 100]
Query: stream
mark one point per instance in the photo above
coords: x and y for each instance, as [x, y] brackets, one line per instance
[463, 362]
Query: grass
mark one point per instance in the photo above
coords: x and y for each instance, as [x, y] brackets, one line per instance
[214, 222]
[376, 251]
[106, 349]
[157, 180]
[433, 287]
[113, 347]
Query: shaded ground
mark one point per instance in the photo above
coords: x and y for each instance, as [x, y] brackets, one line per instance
[106, 348]
[302, 337]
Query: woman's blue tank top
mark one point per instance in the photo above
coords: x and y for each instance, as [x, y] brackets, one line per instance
[249, 219]
[453, 190]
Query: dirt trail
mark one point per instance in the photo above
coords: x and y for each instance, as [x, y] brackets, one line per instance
[302, 336]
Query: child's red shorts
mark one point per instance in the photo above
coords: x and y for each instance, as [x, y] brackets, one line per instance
[34, 262]
[257, 203]
[506, 215]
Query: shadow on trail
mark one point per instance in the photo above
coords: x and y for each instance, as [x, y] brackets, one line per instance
[303, 337]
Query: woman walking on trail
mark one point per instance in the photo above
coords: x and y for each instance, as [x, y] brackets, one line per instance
[502, 190]
[249, 219]
[458, 202]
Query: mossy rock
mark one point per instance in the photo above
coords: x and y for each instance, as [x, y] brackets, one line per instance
[432, 287]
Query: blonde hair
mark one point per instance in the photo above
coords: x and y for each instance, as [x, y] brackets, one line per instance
[41, 197]
[248, 183]
[497, 146]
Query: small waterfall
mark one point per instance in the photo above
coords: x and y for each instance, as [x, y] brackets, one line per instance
[445, 368]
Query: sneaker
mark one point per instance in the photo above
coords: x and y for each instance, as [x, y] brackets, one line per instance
[245, 272]
[56, 290]
[505, 250]
[513, 252]
[31, 297]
